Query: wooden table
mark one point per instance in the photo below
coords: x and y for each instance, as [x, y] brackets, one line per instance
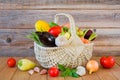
[7, 73]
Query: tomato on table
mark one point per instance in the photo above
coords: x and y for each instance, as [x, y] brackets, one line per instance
[11, 62]
[53, 72]
[107, 62]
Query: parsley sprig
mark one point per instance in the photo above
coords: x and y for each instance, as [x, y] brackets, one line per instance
[67, 71]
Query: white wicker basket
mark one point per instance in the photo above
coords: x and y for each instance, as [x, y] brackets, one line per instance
[71, 56]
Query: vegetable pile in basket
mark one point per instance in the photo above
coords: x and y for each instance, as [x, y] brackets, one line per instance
[54, 35]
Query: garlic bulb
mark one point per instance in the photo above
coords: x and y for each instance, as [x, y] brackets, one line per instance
[31, 72]
[81, 70]
[37, 69]
[43, 71]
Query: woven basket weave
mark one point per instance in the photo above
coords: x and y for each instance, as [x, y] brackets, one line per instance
[72, 55]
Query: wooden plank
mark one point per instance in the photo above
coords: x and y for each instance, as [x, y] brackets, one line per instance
[73, 7]
[117, 60]
[55, 78]
[71, 78]
[16, 51]
[7, 72]
[22, 75]
[107, 37]
[115, 71]
[106, 50]
[113, 2]
[25, 19]
[3, 61]
[14, 37]
[91, 77]
[37, 76]
[60, 7]
[116, 68]
[61, 4]
[19, 75]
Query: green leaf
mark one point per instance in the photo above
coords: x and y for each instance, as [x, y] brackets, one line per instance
[64, 30]
[94, 35]
[73, 70]
[63, 74]
[32, 37]
[61, 67]
[75, 75]
[66, 72]
[35, 38]
[52, 24]
[70, 74]
[85, 31]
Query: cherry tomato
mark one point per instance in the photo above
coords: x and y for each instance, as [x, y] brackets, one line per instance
[107, 62]
[53, 72]
[11, 62]
[55, 31]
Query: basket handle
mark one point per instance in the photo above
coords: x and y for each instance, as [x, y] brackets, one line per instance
[75, 39]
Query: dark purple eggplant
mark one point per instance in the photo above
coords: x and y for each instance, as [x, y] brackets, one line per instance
[46, 39]
[88, 34]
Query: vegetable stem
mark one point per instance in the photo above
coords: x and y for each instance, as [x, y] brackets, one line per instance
[90, 72]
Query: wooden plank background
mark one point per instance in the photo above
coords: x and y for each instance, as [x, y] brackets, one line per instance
[17, 18]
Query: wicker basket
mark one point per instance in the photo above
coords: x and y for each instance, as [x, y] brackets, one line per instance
[72, 56]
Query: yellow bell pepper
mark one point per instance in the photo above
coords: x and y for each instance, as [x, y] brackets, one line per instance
[41, 26]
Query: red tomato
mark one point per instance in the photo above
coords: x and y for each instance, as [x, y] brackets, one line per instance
[55, 31]
[107, 62]
[11, 62]
[53, 72]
